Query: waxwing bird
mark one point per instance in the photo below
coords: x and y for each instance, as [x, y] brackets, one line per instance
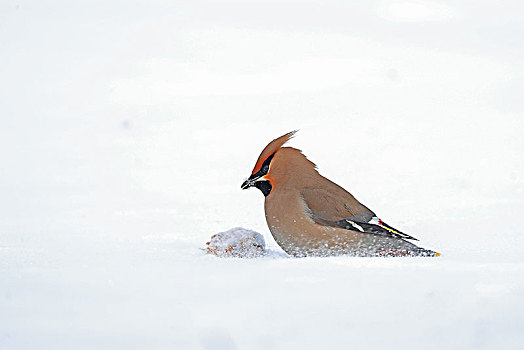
[309, 215]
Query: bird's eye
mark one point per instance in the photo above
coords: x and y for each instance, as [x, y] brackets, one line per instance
[265, 169]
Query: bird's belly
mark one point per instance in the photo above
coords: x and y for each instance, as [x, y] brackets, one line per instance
[298, 235]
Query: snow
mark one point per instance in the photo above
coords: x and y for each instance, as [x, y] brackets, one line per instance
[237, 242]
[128, 128]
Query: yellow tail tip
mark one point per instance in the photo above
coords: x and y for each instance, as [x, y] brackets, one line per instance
[437, 254]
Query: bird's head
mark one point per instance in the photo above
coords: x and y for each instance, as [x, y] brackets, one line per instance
[277, 165]
[260, 177]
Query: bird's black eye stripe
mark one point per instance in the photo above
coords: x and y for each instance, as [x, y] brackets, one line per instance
[263, 169]
[265, 166]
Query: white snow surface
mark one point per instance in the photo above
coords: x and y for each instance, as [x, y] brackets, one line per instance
[128, 127]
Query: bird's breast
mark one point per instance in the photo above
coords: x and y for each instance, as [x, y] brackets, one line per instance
[289, 223]
[297, 234]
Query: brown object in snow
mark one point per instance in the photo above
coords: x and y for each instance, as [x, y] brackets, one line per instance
[309, 215]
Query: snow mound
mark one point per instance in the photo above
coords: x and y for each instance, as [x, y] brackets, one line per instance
[237, 242]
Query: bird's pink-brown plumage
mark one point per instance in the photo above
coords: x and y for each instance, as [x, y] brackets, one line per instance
[309, 215]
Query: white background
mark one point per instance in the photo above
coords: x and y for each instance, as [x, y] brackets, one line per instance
[127, 128]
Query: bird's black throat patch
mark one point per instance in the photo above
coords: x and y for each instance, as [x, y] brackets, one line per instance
[264, 186]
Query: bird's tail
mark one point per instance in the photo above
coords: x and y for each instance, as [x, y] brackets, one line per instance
[426, 252]
[385, 252]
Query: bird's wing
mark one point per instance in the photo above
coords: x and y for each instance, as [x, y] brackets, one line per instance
[339, 208]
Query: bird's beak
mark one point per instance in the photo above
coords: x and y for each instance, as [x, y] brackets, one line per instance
[250, 182]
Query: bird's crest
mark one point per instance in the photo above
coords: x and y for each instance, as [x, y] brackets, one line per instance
[272, 148]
